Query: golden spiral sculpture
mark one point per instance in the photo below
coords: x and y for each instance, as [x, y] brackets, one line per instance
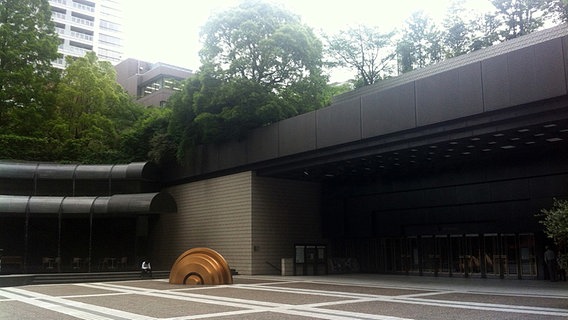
[201, 266]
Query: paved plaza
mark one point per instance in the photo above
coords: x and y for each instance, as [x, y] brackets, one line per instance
[324, 297]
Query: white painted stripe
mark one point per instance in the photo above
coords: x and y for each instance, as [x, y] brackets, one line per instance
[253, 306]
[17, 296]
[314, 310]
[77, 309]
[488, 306]
[354, 298]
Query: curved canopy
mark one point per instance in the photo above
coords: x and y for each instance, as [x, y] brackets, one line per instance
[30, 170]
[143, 203]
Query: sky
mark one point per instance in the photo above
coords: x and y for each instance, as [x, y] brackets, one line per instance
[168, 30]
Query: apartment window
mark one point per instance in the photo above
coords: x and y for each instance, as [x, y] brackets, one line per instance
[82, 19]
[110, 26]
[109, 55]
[110, 39]
[84, 5]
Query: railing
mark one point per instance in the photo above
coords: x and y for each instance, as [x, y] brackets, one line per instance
[83, 7]
[58, 15]
[80, 35]
[82, 21]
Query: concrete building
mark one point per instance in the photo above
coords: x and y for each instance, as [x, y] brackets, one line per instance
[438, 172]
[88, 25]
[151, 83]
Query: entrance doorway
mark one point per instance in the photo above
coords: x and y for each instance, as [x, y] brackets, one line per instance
[462, 255]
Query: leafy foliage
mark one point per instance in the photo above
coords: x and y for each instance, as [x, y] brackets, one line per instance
[365, 50]
[421, 43]
[555, 222]
[28, 44]
[519, 17]
[148, 138]
[260, 64]
[92, 110]
[27, 148]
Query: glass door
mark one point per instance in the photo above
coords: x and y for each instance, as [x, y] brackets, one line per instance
[443, 249]
[409, 255]
[393, 262]
[430, 256]
[456, 255]
[527, 255]
[435, 255]
[465, 255]
[491, 255]
[472, 255]
[509, 255]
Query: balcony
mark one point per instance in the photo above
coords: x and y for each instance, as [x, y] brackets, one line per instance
[84, 22]
[83, 7]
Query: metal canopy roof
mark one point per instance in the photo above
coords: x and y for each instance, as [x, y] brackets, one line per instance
[28, 170]
[144, 203]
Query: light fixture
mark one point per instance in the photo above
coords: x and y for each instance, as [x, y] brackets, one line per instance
[554, 139]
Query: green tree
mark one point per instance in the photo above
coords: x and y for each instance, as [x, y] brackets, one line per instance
[261, 42]
[92, 111]
[459, 30]
[555, 222]
[148, 138]
[487, 31]
[260, 64]
[519, 17]
[558, 9]
[421, 43]
[366, 50]
[28, 44]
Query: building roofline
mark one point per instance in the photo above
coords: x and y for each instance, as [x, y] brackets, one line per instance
[459, 61]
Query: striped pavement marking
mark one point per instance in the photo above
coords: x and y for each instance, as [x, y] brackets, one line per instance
[81, 310]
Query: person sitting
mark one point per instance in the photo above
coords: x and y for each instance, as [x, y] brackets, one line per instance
[146, 269]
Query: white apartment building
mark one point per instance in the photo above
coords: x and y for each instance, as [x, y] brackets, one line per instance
[89, 25]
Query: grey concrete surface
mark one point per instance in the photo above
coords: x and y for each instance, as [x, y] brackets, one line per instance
[263, 297]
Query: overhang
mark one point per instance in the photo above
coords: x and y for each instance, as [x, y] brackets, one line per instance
[120, 204]
[51, 171]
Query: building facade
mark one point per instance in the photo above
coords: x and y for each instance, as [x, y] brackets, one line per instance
[150, 83]
[441, 171]
[88, 25]
[438, 172]
[77, 218]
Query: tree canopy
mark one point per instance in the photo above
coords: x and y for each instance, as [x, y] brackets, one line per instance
[422, 41]
[260, 64]
[555, 222]
[92, 109]
[365, 49]
[28, 44]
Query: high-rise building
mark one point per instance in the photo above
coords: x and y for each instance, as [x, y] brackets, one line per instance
[88, 25]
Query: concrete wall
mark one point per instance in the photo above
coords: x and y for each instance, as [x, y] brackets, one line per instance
[214, 213]
[285, 212]
[252, 221]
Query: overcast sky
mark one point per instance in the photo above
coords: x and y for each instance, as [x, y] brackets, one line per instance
[168, 30]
